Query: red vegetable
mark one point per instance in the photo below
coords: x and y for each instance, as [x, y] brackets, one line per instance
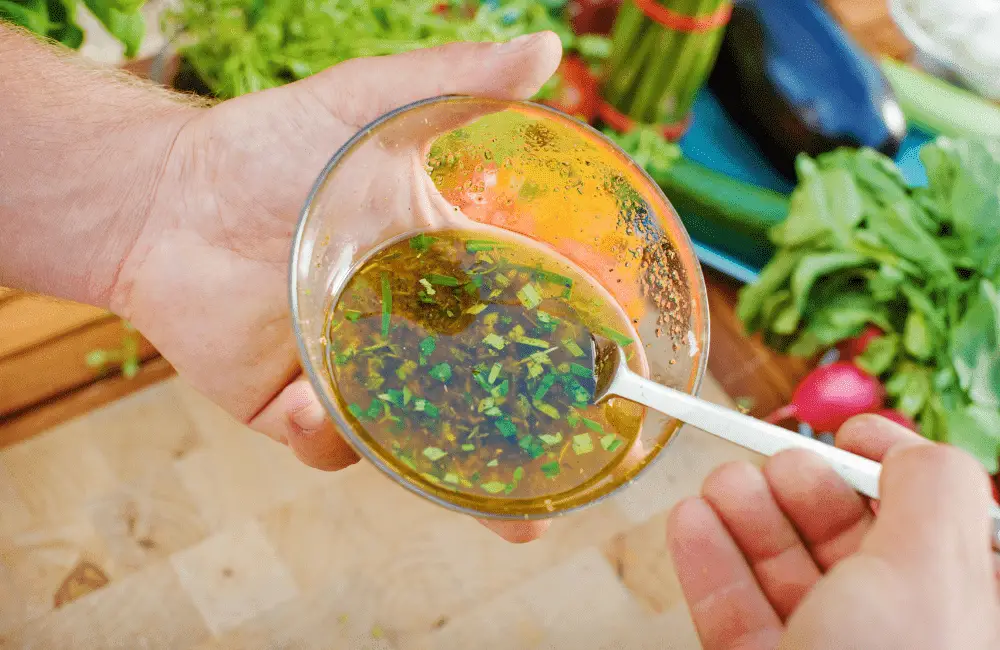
[853, 347]
[996, 491]
[593, 16]
[899, 418]
[577, 93]
[831, 395]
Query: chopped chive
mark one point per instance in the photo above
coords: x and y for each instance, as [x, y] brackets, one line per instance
[393, 396]
[529, 296]
[573, 348]
[547, 409]
[616, 336]
[451, 477]
[386, 304]
[441, 372]
[506, 427]
[615, 444]
[406, 369]
[533, 342]
[356, 410]
[551, 470]
[427, 346]
[478, 376]
[494, 487]
[501, 389]
[581, 371]
[608, 440]
[544, 386]
[475, 309]
[493, 463]
[443, 280]
[406, 395]
[477, 245]
[428, 287]
[421, 242]
[548, 276]
[468, 447]
[551, 439]
[573, 418]
[593, 426]
[485, 403]
[352, 315]
[494, 373]
[502, 281]
[434, 453]
[494, 341]
[583, 444]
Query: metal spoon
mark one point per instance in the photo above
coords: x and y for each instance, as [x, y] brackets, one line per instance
[613, 377]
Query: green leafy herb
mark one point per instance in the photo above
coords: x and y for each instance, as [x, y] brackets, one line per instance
[434, 453]
[529, 296]
[859, 247]
[494, 341]
[551, 470]
[573, 348]
[386, 304]
[617, 336]
[494, 487]
[422, 242]
[441, 372]
[583, 444]
[427, 346]
[443, 280]
[478, 245]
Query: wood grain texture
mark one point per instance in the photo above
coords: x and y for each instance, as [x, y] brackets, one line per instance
[159, 522]
[27, 320]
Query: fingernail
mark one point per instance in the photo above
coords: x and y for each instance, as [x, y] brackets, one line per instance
[519, 43]
[308, 419]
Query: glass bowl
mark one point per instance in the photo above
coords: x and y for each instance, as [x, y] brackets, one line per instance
[528, 170]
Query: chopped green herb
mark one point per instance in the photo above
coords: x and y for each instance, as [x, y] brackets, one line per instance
[451, 477]
[544, 386]
[477, 245]
[493, 463]
[405, 370]
[427, 346]
[494, 487]
[374, 409]
[494, 372]
[434, 453]
[441, 372]
[428, 287]
[583, 444]
[356, 410]
[547, 409]
[551, 439]
[352, 315]
[529, 296]
[500, 390]
[608, 440]
[475, 309]
[573, 418]
[581, 371]
[551, 470]
[616, 336]
[494, 341]
[501, 280]
[386, 304]
[443, 280]
[468, 447]
[592, 425]
[506, 427]
[421, 242]
[518, 473]
[533, 342]
[573, 348]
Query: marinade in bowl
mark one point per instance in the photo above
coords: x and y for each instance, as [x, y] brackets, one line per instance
[447, 271]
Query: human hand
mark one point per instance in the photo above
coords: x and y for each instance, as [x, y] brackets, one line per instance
[206, 280]
[792, 557]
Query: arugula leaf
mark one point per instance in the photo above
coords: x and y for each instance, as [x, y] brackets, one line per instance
[974, 347]
[123, 22]
[976, 429]
[879, 356]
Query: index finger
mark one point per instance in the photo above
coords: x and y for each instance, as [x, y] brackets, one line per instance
[872, 436]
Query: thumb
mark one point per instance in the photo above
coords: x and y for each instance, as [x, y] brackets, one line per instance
[297, 418]
[362, 89]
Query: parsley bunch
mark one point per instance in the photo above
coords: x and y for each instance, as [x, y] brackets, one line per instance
[240, 46]
[56, 19]
[861, 247]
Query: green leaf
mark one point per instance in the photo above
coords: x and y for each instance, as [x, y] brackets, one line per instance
[814, 267]
[551, 439]
[427, 346]
[529, 296]
[507, 428]
[974, 347]
[879, 356]
[916, 337]
[551, 470]
[897, 226]
[772, 277]
[33, 15]
[129, 27]
[976, 429]
[443, 280]
[494, 487]
[616, 336]
[422, 242]
[386, 304]
[494, 341]
[583, 444]
[441, 372]
[911, 386]
[434, 453]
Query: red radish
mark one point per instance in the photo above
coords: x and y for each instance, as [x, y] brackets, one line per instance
[854, 347]
[899, 418]
[593, 16]
[577, 93]
[831, 395]
[996, 490]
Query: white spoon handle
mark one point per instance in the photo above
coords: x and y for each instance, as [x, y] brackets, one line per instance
[751, 433]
